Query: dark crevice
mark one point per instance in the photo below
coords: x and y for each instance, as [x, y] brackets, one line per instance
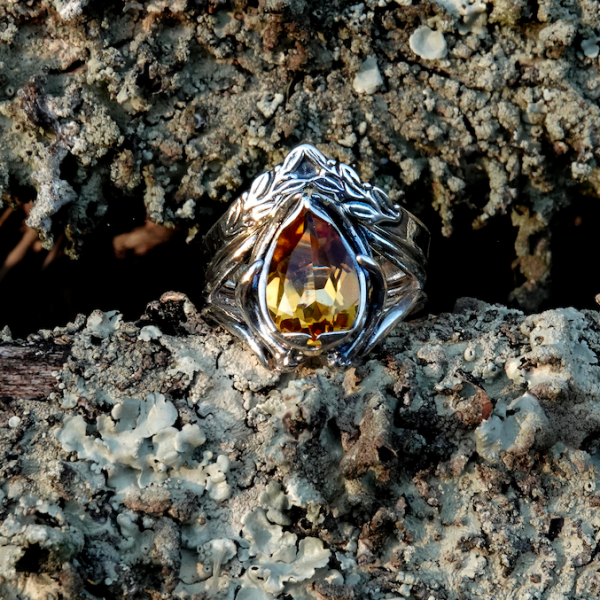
[68, 70]
[470, 263]
[555, 528]
[33, 561]
[97, 280]
[575, 252]
[591, 444]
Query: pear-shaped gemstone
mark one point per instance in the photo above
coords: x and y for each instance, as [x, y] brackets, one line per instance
[313, 285]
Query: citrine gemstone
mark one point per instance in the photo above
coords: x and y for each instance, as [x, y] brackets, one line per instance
[312, 285]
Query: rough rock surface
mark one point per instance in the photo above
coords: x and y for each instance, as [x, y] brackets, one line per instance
[460, 461]
[182, 103]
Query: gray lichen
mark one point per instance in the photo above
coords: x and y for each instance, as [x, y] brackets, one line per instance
[183, 103]
[459, 461]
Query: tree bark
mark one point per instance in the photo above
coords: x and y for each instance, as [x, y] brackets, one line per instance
[26, 370]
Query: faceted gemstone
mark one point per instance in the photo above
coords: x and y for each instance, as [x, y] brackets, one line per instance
[313, 284]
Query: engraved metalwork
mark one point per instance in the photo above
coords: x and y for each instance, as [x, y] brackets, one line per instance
[388, 244]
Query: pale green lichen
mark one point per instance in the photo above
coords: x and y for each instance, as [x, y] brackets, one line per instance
[514, 428]
[275, 557]
[138, 442]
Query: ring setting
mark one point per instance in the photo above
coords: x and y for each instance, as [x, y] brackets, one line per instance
[313, 262]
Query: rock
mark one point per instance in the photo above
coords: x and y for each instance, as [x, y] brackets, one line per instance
[177, 106]
[461, 456]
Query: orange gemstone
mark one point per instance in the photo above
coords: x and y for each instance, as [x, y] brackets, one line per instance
[313, 284]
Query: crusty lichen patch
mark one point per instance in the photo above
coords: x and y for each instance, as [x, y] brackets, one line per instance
[459, 461]
[180, 104]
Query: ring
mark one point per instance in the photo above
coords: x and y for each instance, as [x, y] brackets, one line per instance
[313, 262]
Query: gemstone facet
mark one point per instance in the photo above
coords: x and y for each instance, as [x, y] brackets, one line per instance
[313, 285]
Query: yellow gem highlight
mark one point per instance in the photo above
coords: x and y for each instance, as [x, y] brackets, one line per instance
[313, 284]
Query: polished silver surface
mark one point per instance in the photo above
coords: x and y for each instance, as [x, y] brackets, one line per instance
[387, 243]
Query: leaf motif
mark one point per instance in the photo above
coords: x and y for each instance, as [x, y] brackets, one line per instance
[349, 173]
[328, 185]
[291, 186]
[260, 212]
[233, 216]
[383, 200]
[252, 201]
[354, 191]
[291, 160]
[260, 185]
[363, 211]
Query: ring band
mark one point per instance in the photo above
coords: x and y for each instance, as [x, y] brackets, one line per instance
[313, 262]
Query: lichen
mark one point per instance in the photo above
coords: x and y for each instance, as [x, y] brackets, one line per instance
[460, 458]
[139, 443]
[173, 107]
[428, 44]
[513, 428]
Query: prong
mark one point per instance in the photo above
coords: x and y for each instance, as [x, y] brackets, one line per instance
[247, 300]
[343, 356]
[366, 262]
[336, 361]
[396, 314]
[249, 276]
[290, 360]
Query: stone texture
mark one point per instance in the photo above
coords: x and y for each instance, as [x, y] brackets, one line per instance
[152, 105]
[459, 461]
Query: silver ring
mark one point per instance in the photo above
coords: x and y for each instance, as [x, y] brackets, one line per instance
[313, 262]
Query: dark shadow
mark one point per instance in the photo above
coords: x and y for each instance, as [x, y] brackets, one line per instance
[33, 561]
[470, 263]
[575, 246]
